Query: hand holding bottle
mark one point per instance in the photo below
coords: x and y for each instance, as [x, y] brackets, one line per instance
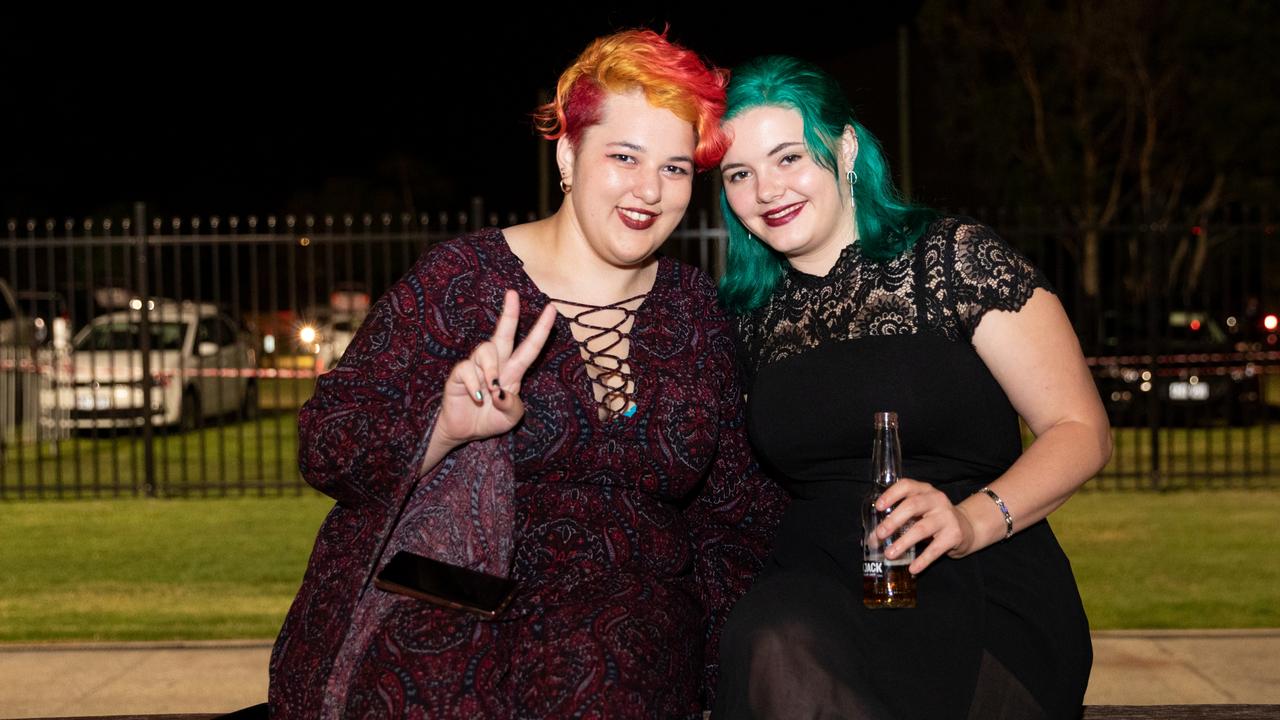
[931, 516]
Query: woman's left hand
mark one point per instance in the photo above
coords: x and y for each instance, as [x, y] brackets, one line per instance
[936, 519]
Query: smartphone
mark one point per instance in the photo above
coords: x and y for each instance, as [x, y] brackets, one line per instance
[446, 585]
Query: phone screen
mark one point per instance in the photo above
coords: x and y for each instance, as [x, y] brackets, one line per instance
[445, 584]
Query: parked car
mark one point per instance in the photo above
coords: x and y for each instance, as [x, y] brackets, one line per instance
[201, 363]
[1191, 374]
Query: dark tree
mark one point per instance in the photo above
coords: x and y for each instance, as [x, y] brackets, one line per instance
[1161, 109]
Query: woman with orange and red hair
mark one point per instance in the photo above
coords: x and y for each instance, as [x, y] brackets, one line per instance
[553, 403]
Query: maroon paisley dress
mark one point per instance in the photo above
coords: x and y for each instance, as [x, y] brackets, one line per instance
[630, 538]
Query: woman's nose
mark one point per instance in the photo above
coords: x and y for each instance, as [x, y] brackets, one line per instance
[768, 188]
[648, 188]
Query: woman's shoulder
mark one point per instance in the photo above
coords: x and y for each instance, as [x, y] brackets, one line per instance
[962, 236]
[455, 282]
[482, 247]
[973, 270]
[473, 260]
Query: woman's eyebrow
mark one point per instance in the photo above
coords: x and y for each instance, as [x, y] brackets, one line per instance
[641, 149]
[782, 146]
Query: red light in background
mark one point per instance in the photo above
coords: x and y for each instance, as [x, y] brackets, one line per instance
[1195, 324]
[1196, 230]
[1269, 322]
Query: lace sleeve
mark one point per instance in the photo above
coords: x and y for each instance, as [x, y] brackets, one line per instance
[987, 274]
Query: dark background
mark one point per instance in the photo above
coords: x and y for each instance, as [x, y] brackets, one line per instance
[224, 111]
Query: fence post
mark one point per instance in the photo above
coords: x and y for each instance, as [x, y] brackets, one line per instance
[1154, 327]
[144, 341]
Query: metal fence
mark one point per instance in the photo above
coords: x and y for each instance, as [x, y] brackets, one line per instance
[168, 356]
[100, 397]
[1177, 321]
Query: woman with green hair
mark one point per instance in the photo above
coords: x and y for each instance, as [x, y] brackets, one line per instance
[852, 301]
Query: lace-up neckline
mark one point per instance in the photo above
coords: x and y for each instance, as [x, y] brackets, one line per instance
[603, 336]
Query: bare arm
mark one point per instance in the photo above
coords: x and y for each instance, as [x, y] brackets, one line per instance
[1035, 357]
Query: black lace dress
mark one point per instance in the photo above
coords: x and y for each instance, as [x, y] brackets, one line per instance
[1001, 633]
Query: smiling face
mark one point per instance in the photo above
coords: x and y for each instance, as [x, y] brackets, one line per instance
[781, 194]
[631, 176]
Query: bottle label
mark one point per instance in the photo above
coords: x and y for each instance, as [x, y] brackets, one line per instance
[874, 563]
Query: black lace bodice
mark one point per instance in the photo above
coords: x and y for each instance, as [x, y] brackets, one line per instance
[956, 272]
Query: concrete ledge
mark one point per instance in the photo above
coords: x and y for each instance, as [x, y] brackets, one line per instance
[1182, 712]
[1136, 674]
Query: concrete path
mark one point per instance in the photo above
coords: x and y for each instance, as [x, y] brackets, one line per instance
[1130, 668]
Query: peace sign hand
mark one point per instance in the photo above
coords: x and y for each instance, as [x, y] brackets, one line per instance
[482, 393]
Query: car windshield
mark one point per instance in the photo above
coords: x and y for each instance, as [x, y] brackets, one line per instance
[128, 336]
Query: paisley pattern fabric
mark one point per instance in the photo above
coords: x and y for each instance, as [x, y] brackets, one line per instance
[630, 538]
[964, 270]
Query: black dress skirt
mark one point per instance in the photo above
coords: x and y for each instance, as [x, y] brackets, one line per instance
[1000, 633]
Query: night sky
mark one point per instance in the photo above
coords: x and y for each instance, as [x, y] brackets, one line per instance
[221, 113]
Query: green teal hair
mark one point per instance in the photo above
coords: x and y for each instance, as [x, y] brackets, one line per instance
[887, 224]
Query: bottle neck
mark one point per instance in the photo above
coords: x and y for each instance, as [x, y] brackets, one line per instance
[886, 456]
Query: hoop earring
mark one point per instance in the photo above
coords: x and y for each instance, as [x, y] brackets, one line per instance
[853, 180]
[565, 187]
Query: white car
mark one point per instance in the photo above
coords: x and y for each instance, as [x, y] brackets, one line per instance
[201, 364]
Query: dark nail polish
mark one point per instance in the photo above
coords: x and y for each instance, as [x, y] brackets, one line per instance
[502, 394]
[495, 382]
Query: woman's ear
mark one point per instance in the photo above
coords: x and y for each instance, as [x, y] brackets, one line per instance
[848, 148]
[564, 159]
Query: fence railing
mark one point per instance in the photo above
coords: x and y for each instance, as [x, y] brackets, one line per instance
[168, 356]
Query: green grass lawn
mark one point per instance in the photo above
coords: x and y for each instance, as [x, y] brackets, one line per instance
[141, 569]
[1175, 560]
[152, 569]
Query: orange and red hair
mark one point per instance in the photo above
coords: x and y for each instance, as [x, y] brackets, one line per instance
[671, 77]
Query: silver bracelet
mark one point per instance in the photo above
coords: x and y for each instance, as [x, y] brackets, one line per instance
[1004, 510]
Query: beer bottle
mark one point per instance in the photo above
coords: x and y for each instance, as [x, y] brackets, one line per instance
[885, 583]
